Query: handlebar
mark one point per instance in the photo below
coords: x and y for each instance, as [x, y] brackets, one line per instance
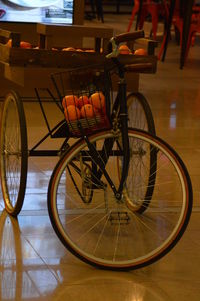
[124, 37]
[141, 64]
[129, 36]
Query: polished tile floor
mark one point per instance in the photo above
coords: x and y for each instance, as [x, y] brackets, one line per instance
[34, 265]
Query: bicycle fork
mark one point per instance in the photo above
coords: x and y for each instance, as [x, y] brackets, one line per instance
[124, 130]
[101, 160]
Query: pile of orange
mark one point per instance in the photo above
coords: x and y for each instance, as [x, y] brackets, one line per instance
[140, 51]
[83, 106]
[77, 49]
[23, 44]
[124, 49]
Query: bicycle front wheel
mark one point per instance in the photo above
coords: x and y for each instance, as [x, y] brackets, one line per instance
[14, 154]
[106, 232]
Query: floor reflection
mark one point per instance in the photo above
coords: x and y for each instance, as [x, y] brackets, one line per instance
[21, 278]
[26, 278]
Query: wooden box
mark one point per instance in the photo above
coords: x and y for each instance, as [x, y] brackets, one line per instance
[31, 68]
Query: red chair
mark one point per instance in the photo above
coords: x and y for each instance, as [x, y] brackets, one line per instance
[194, 28]
[177, 21]
[135, 10]
[155, 9]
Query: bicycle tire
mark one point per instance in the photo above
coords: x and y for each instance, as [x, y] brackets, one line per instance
[140, 113]
[106, 233]
[14, 154]
[141, 117]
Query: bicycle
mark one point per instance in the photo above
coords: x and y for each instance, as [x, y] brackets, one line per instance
[118, 227]
[119, 198]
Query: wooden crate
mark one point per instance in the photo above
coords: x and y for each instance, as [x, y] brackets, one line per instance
[31, 68]
[73, 36]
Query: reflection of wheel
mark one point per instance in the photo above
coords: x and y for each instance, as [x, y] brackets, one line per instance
[14, 155]
[11, 258]
[119, 285]
[140, 117]
[106, 233]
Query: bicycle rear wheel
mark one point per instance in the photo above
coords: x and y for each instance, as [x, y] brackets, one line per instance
[106, 232]
[140, 114]
[141, 117]
[14, 154]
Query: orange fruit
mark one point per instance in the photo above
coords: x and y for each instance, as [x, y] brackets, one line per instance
[83, 100]
[89, 50]
[97, 112]
[72, 113]
[69, 100]
[97, 100]
[9, 43]
[124, 49]
[69, 49]
[140, 51]
[87, 111]
[24, 44]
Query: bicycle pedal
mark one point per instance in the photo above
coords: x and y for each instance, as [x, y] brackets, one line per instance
[118, 217]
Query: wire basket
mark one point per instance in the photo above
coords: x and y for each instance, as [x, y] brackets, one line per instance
[85, 95]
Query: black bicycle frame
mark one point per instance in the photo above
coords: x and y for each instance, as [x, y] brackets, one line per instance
[101, 157]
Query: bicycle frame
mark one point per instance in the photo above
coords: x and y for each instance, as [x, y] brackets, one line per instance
[101, 160]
